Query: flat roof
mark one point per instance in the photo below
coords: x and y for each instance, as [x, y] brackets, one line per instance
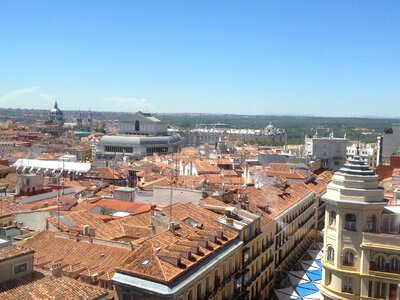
[52, 165]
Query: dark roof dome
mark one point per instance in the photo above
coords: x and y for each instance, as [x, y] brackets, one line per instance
[56, 111]
[356, 166]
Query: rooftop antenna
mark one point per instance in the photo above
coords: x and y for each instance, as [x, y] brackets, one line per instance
[58, 194]
[171, 191]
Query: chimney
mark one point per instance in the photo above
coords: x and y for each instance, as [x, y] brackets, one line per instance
[86, 230]
[132, 178]
[56, 268]
[229, 221]
[173, 226]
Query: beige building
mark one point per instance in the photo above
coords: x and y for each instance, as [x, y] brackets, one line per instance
[361, 237]
[198, 257]
[15, 261]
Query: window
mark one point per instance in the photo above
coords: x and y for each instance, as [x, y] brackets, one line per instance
[350, 222]
[137, 126]
[246, 278]
[380, 263]
[199, 293]
[246, 257]
[190, 295]
[347, 284]
[208, 284]
[238, 282]
[224, 272]
[330, 255]
[20, 268]
[371, 223]
[380, 290]
[332, 220]
[216, 279]
[393, 224]
[348, 258]
[394, 264]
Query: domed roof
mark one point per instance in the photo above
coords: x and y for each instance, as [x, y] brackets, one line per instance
[56, 111]
[270, 127]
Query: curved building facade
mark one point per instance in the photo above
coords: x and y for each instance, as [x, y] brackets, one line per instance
[361, 247]
[132, 147]
[142, 134]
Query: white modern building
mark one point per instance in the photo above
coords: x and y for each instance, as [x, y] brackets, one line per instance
[141, 135]
[330, 150]
[388, 144]
[368, 153]
[142, 124]
[214, 133]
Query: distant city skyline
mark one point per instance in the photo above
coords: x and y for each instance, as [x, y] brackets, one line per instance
[320, 58]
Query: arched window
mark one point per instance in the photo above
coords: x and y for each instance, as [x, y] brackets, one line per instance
[394, 264]
[332, 219]
[137, 126]
[371, 223]
[350, 222]
[348, 258]
[330, 254]
[380, 263]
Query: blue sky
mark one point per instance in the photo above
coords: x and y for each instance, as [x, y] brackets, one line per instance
[328, 58]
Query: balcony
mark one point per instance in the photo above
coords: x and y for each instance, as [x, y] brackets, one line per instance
[381, 240]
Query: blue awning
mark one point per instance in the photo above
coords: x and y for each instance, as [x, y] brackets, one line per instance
[306, 289]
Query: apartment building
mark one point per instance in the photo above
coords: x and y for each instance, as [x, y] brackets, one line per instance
[198, 257]
[330, 150]
[15, 261]
[287, 211]
[19, 280]
[361, 237]
[257, 249]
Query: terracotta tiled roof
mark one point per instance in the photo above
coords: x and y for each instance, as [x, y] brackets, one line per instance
[275, 199]
[12, 250]
[224, 161]
[121, 205]
[83, 255]
[11, 180]
[281, 167]
[75, 220]
[9, 207]
[204, 166]
[317, 185]
[148, 260]
[228, 173]
[52, 288]
[325, 176]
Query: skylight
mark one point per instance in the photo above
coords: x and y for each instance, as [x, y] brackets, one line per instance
[144, 263]
[190, 222]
